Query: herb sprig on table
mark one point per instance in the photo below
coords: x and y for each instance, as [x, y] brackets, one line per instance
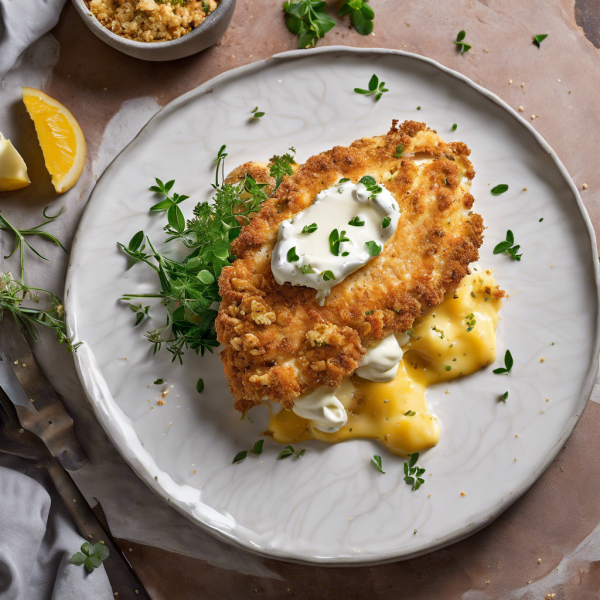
[90, 556]
[308, 19]
[13, 292]
[375, 89]
[188, 287]
[361, 15]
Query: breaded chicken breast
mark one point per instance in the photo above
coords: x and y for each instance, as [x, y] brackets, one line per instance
[279, 343]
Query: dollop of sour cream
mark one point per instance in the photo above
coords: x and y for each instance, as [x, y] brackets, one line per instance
[380, 363]
[322, 408]
[345, 227]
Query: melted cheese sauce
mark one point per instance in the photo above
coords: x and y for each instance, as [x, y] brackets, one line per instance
[440, 349]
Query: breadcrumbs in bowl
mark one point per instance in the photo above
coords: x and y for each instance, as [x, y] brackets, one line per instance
[151, 20]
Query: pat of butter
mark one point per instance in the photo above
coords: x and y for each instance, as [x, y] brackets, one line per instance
[13, 170]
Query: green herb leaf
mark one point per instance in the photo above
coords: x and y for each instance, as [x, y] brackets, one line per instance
[504, 397]
[356, 222]
[258, 447]
[361, 15]
[399, 151]
[369, 312]
[287, 451]
[508, 247]
[412, 473]
[538, 39]
[343, 180]
[335, 239]
[499, 189]
[299, 453]
[461, 35]
[386, 222]
[375, 88]
[78, 558]
[508, 364]
[240, 456]
[256, 114]
[470, 321]
[373, 248]
[141, 312]
[309, 20]
[200, 385]
[292, 256]
[328, 275]
[410, 413]
[159, 381]
[310, 228]
[306, 269]
[454, 127]
[448, 368]
[376, 462]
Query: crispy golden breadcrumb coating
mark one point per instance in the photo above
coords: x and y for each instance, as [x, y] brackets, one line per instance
[278, 342]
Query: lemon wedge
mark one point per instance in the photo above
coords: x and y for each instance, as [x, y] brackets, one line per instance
[13, 170]
[60, 137]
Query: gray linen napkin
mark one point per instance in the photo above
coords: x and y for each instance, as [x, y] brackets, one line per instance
[37, 540]
[22, 22]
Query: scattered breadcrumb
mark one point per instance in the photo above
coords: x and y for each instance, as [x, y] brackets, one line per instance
[542, 359]
[161, 402]
[585, 186]
[510, 82]
[463, 494]
[539, 561]
[521, 109]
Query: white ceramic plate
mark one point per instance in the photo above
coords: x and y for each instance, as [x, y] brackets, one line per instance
[332, 506]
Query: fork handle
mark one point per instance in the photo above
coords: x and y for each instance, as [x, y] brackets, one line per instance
[119, 571]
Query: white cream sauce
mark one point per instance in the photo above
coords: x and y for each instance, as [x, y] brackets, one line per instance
[312, 259]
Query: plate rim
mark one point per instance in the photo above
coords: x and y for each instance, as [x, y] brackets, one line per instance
[390, 556]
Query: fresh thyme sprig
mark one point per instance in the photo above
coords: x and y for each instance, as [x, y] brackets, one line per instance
[361, 15]
[308, 19]
[12, 295]
[21, 234]
[375, 88]
[188, 288]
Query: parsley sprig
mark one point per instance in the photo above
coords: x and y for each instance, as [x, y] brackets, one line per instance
[308, 19]
[188, 288]
[508, 247]
[90, 556]
[375, 88]
[361, 15]
[413, 473]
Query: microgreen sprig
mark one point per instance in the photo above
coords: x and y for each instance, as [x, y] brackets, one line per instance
[538, 39]
[90, 556]
[308, 19]
[459, 42]
[256, 114]
[508, 364]
[499, 189]
[375, 88]
[412, 473]
[361, 15]
[508, 247]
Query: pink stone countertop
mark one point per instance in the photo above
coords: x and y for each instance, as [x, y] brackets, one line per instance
[546, 543]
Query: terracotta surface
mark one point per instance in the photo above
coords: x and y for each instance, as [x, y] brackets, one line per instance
[558, 521]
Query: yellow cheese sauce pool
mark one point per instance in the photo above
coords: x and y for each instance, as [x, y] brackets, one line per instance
[444, 344]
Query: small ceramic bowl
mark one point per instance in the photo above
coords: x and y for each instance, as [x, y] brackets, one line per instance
[200, 38]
